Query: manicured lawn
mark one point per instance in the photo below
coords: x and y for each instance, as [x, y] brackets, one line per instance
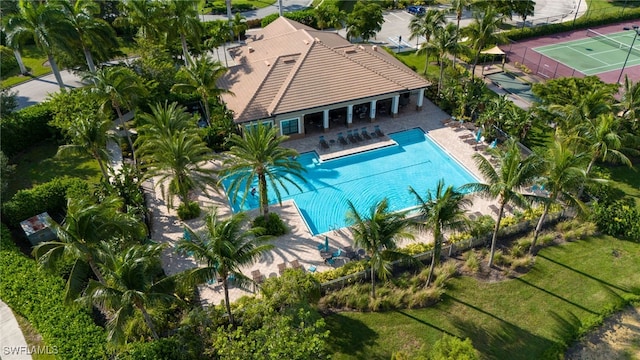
[416, 61]
[570, 285]
[34, 60]
[39, 166]
[627, 179]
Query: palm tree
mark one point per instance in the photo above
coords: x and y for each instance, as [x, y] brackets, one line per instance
[503, 182]
[224, 247]
[258, 154]
[329, 16]
[563, 173]
[219, 35]
[90, 136]
[377, 234]
[426, 26]
[184, 19]
[239, 25]
[89, 30]
[442, 210]
[458, 7]
[201, 77]
[147, 15]
[179, 161]
[482, 32]
[445, 41]
[46, 25]
[118, 87]
[629, 103]
[85, 227]
[132, 283]
[602, 139]
[164, 120]
[587, 107]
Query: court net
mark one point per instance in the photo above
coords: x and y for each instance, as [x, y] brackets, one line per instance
[612, 42]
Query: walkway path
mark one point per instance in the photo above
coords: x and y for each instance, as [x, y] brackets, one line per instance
[13, 345]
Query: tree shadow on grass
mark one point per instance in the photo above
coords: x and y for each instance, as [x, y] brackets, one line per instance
[497, 339]
[350, 336]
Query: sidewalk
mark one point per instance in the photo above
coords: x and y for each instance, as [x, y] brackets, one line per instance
[12, 342]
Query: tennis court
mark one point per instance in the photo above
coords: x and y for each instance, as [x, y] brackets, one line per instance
[597, 53]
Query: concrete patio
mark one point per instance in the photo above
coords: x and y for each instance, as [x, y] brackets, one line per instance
[299, 244]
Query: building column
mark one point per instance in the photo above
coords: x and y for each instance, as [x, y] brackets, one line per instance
[395, 101]
[372, 110]
[325, 120]
[420, 99]
[349, 115]
[301, 128]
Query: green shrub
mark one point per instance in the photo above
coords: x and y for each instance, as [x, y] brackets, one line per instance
[38, 297]
[499, 258]
[306, 17]
[8, 61]
[351, 267]
[471, 262]
[188, 211]
[457, 237]
[451, 347]
[619, 218]
[50, 197]
[481, 226]
[416, 248]
[166, 348]
[26, 127]
[508, 221]
[272, 224]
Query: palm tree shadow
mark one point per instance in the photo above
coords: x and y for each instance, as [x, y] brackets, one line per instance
[502, 341]
[350, 336]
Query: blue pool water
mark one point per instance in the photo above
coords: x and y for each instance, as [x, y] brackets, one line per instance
[367, 178]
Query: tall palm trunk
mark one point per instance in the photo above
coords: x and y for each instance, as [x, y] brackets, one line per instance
[426, 62]
[225, 285]
[494, 239]
[475, 63]
[262, 188]
[207, 112]
[147, 320]
[441, 74]
[90, 63]
[455, 53]
[373, 283]
[101, 164]
[586, 173]
[435, 255]
[96, 271]
[23, 69]
[126, 130]
[536, 232]
[185, 51]
[56, 71]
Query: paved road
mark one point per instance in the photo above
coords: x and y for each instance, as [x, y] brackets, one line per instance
[13, 346]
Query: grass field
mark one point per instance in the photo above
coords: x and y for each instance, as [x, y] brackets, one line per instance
[34, 60]
[570, 286]
[40, 165]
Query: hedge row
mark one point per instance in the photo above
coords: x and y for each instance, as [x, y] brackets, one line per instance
[37, 296]
[50, 197]
[26, 127]
[583, 22]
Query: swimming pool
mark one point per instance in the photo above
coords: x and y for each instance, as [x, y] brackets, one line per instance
[366, 178]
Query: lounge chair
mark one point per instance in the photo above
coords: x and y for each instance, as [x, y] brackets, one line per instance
[365, 134]
[378, 132]
[341, 139]
[338, 253]
[350, 137]
[281, 268]
[312, 268]
[323, 143]
[357, 136]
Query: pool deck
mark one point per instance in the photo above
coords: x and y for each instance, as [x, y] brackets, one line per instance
[299, 244]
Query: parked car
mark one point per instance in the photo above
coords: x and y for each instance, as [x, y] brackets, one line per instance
[416, 10]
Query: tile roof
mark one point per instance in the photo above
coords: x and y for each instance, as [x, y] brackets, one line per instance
[288, 66]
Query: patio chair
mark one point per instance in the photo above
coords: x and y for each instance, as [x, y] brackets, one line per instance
[331, 261]
[312, 269]
[323, 143]
[281, 268]
[341, 139]
[378, 131]
[365, 134]
[357, 136]
[350, 137]
[296, 264]
[320, 247]
[337, 253]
